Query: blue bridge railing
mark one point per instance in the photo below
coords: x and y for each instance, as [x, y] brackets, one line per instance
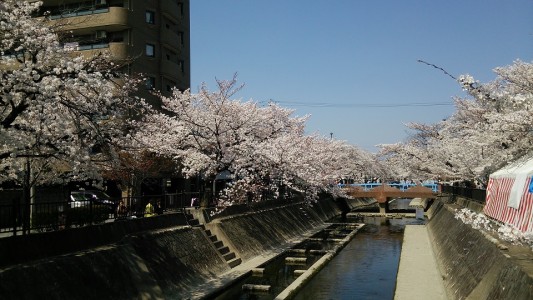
[401, 186]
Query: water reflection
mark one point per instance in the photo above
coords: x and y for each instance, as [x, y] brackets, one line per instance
[366, 268]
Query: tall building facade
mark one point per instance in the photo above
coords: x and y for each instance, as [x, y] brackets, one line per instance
[150, 37]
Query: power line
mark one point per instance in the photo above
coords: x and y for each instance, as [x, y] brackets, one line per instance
[360, 105]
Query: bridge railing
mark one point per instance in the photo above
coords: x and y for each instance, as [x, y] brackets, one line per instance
[401, 186]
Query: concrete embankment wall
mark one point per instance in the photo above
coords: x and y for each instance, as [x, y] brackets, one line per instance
[254, 233]
[24, 248]
[473, 265]
[152, 264]
[148, 266]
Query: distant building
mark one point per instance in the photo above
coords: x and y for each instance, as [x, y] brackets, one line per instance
[152, 34]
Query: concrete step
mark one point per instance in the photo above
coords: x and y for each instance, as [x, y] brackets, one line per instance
[229, 256]
[208, 232]
[234, 262]
[223, 250]
[213, 238]
[218, 244]
[194, 222]
[255, 288]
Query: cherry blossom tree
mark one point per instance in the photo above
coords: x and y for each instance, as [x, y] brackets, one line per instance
[263, 147]
[313, 163]
[133, 168]
[490, 127]
[60, 114]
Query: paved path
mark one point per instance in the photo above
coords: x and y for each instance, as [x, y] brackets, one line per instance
[418, 274]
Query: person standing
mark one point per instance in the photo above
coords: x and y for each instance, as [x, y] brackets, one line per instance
[122, 210]
[149, 210]
[158, 208]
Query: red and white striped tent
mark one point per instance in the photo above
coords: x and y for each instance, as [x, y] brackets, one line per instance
[510, 195]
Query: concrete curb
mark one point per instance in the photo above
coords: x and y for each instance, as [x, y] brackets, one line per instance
[297, 284]
[418, 275]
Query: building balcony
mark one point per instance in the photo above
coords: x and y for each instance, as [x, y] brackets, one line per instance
[171, 70]
[171, 40]
[109, 18]
[170, 9]
[118, 51]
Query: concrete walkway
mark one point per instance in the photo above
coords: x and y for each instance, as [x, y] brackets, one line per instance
[418, 275]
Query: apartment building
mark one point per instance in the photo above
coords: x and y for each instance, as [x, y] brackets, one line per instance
[150, 37]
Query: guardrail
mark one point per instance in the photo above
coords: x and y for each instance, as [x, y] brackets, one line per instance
[79, 13]
[477, 195]
[401, 186]
[19, 218]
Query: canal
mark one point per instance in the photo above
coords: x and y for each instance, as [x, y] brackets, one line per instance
[366, 268]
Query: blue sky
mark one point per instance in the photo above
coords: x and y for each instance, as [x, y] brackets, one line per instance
[352, 65]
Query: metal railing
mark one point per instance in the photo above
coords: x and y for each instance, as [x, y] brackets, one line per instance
[401, 186]
[20, 218]
[92, 46]
[79, 13]
[477, 195]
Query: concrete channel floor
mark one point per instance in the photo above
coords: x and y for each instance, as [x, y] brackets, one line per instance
[418, 274]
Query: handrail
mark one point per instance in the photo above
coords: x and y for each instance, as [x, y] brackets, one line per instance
[401, 186]
[80, 13]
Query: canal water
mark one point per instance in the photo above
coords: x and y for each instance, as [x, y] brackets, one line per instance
[366, 268]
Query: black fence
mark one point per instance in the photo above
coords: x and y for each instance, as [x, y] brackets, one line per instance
[477, 195]
[19, 218]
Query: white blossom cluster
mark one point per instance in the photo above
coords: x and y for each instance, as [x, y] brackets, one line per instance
[505, 232]
[263, 147]
[476, 220]
[489, 128]
[60, 115]
[65, 117]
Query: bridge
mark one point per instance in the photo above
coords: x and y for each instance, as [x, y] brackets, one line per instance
[385, 192]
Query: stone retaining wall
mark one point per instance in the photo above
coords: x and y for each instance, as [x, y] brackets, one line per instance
[472, 265]
[252, 234]
[24, 248]
[361, 203]
[152, 264]
[163, 263]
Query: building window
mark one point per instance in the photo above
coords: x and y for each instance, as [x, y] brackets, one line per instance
[171, 85]
[150, 83]
[150, 50]
[150, 17]
[181, 65]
